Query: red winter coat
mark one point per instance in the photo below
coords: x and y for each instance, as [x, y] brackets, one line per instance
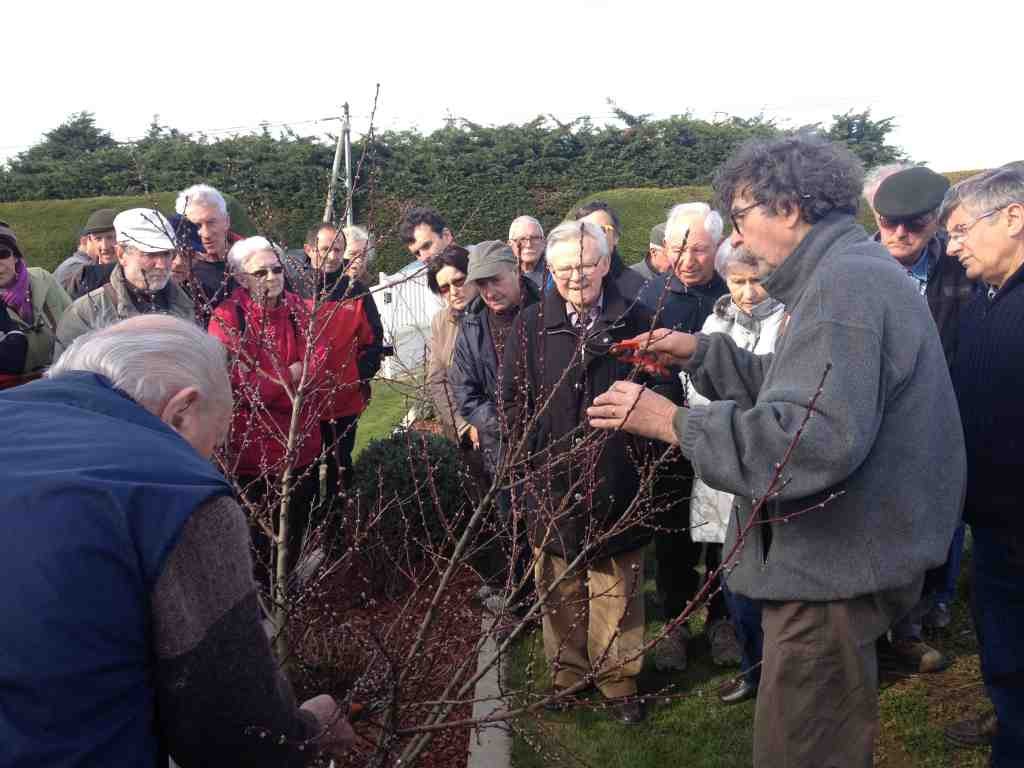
[263, 342]
[342, 330]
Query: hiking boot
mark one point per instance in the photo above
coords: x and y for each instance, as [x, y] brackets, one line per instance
[973, 733]
[939, 617]
[913, 655]
[725, 646]
[670, 653]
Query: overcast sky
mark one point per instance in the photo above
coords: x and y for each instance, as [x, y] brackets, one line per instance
[948, 77]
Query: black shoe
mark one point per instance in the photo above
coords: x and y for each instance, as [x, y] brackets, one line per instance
[973, 733]
[628, 711]
[738, 691]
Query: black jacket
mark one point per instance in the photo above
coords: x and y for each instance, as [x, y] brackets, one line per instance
[474, 373]
[948, 291]
[988, 378]
[573, 493]
[679, 307]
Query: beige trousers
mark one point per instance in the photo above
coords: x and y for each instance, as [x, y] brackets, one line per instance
[594, 620]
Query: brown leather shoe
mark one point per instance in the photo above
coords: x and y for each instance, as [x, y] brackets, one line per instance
[912, 655]
[973, 733]
[737, 691]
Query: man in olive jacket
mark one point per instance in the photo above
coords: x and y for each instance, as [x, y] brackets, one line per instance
[140, 284]
[871, 491]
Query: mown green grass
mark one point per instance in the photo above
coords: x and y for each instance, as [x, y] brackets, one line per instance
[687, 725]
[390, 402]
[48, 230]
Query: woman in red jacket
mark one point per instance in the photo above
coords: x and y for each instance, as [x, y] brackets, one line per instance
[266, 330]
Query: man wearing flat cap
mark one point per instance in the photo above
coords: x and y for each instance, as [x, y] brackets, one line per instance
[140, 284]
[906, 206]
[96, 249]
[475, 381]
[494, 268]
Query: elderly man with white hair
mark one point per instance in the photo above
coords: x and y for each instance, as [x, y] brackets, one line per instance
[526, 238]
[589, 555]
[204, 221]
[140, 283]
[131, 623]
[984, 216]
[682, 299]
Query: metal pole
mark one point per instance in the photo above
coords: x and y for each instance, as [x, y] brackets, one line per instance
[329, 208]
[346, 132]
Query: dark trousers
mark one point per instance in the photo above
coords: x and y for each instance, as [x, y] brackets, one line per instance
[998, 571]
[262, 498]
[746, 618]
[947, 574]
[676, 553]
[339, 439]
[939, 587]
[677, 578]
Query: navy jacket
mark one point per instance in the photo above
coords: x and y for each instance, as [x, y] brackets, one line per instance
[679, 307]
[94, 491]
[988, 377]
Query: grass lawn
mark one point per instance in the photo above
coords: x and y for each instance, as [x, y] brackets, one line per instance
[687, 725]
[391, 401]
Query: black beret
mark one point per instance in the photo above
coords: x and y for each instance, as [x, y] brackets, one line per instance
[910, 193]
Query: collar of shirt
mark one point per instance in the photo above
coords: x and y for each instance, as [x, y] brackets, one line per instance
[921, 268]
[590, 317]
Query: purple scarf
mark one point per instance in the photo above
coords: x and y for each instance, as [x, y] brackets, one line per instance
[16, 295]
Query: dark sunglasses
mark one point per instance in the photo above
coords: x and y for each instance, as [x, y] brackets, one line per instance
[915, 225]
[259, 274]
[5, 253]
[443, 289]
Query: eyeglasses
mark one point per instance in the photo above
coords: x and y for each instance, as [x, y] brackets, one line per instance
[564, 273]
[260, 274]
[524, 241]
[914, 225]
[456, 283]
[5, 253]
[736, 216]
[959, 232]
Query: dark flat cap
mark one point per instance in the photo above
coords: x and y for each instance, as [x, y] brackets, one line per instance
[490, 258]
[910, 193]
[99, 221]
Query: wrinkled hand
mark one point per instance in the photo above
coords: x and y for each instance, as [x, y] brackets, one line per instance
[634, 409]
[336, 735]
[660, 346]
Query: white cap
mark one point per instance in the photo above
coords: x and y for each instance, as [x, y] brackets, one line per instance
[145, 229]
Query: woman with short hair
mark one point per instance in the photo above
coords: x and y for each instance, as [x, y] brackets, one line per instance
[754, 321]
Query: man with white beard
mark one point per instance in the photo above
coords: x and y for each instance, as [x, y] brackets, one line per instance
[140, 284]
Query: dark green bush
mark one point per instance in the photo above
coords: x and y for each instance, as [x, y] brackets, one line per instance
[408, 504]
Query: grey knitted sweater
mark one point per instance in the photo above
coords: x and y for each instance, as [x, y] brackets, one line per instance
[885, 434]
